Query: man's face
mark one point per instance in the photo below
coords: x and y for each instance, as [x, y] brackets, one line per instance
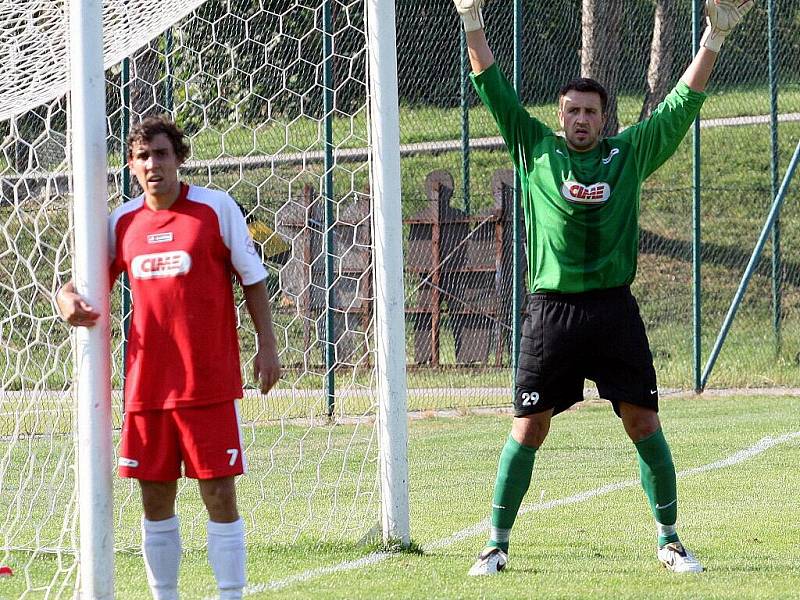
[156, 166]
[581, 117]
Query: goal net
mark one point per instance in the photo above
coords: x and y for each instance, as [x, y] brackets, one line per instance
[248, 82]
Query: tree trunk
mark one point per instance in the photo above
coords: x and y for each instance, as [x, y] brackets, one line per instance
[662, 56]
[600, 29]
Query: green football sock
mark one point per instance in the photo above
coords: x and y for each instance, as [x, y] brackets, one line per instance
[658, 480]
[513, 479]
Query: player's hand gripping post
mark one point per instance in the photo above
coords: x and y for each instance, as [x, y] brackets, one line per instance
[470, 12]
[74, 308]
[722, 16]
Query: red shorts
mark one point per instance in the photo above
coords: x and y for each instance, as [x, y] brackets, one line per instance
[207, 439]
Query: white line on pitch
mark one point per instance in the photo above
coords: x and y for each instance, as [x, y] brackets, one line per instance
[762, 445]
[364, 561]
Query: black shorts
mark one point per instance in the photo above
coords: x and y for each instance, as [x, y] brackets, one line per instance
[567, 338]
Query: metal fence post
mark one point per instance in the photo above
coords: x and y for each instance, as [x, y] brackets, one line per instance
[327, 103]
[697, 312]
[517, 230]
[777, 283]
[465, 153]
[125, 291]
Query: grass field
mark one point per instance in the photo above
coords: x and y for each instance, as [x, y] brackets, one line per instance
[585, 531]
[419, 124]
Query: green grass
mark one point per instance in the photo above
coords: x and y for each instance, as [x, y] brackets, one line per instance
[426, 124]
[740, 519]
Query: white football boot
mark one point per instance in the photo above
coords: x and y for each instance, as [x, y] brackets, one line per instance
[678, 559]
[490, 562]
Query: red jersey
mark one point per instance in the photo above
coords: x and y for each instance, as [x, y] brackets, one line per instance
[183, 347]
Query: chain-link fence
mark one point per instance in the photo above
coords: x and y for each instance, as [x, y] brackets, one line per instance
[639, 50]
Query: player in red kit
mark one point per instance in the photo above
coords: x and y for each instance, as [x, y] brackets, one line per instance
[181, 246]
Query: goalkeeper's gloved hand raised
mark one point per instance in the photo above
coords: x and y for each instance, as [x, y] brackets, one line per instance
[722, 16]
[470, 11]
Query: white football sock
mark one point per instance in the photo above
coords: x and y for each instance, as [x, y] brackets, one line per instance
[161, 547]
[226, 554]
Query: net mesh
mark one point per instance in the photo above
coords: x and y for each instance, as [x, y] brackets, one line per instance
[244, 78]
[34, 46]
[245, 81]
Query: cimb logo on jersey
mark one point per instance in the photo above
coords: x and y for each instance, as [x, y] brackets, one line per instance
[586, 194]
[161, 264]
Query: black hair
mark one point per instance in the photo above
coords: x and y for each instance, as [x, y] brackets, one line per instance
[150, 127]
[585, 84]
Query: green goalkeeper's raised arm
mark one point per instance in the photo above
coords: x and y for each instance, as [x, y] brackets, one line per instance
[520, 131]
[480, 55]
[722, 16]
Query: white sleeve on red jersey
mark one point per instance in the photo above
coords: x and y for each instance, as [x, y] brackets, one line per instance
[235, 234]
[119, 212]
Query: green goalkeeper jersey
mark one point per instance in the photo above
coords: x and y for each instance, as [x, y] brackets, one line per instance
[582, 208]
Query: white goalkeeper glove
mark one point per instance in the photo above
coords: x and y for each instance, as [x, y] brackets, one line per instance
[722, 16]
[470, 11]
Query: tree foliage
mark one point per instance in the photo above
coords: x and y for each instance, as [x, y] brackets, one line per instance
[252, 60]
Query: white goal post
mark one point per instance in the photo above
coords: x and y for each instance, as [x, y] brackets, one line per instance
[389, 330]
[90, 267]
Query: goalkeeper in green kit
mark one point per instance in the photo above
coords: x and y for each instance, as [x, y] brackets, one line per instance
[580, 197]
